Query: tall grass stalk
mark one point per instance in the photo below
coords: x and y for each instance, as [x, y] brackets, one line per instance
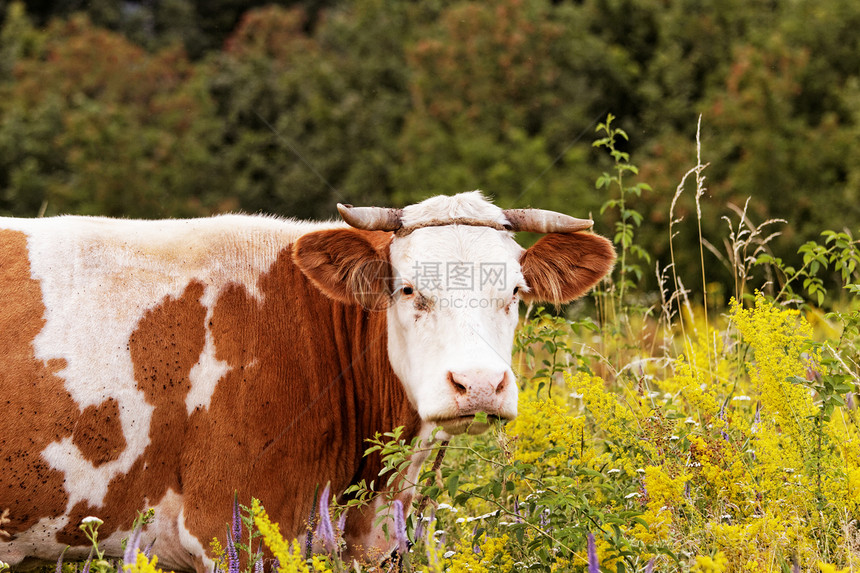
[700, 191]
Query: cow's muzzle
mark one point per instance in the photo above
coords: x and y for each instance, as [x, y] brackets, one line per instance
[475, 391]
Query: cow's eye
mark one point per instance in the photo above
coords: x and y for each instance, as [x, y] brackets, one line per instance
[516, 289]
[408, 290]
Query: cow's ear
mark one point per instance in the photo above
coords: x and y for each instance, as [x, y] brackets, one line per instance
[563, 266]
[348, 265]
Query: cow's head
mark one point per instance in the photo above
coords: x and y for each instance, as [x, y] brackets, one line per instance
[450, 279]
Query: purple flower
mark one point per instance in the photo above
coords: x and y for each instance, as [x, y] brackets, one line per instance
[148, 549]
[341, 522]
[232, 554]
[419, 528]
[795, 567]
[517, 509]
[131, 546]
[593, 564]
[757, 419]
[325, 532]
[650, 567]
[309, 538]
[237, 519]
[60, 561]
[258, 564]
[87, 564]
[400, 526]
[433, 556]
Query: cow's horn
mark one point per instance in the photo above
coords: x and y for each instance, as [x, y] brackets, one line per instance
[371, 218]
[540, 221]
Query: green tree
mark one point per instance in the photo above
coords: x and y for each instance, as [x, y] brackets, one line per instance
[310, 120]
[93, 124]
[502, 100]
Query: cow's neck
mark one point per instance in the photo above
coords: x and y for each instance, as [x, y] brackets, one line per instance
[376, 385]
[308, 382]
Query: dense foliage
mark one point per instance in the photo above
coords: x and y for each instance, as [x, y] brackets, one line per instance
[182, 107]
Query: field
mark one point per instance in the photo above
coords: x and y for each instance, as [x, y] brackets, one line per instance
[657, 431]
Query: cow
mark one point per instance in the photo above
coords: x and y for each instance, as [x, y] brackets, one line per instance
[171, 364]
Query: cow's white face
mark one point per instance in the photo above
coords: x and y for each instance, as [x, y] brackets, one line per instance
[453, 313]
[450, 280]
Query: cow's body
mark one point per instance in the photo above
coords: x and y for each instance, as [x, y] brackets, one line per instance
[168, 364]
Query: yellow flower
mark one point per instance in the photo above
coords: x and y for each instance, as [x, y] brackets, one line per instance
[543, 425]
[492, 556]
[289, 555]
[705, 564]
[777, 337]
[827, 568]
[620, 426]
[142, 564]
[218, 552]
[692, 385]
[662, 489]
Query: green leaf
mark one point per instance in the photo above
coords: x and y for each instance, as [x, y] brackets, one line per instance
[453, 484]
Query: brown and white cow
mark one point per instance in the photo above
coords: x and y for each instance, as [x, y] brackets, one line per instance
[167, 364]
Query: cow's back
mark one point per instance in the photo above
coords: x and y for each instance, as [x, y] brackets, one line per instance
[114, 337]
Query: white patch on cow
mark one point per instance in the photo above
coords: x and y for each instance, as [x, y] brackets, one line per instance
[458, 322]
[38, 542]
[85, 482]
[204, 375]
[191, 544]
[471, 205]
[169, 537]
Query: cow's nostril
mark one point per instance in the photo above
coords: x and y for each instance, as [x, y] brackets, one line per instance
[458, 387]
[503, 384]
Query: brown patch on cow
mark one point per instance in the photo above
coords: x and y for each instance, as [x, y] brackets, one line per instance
[309, 381]
[164, 347]
[98, 433]
[563, 266]
[36, 407]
